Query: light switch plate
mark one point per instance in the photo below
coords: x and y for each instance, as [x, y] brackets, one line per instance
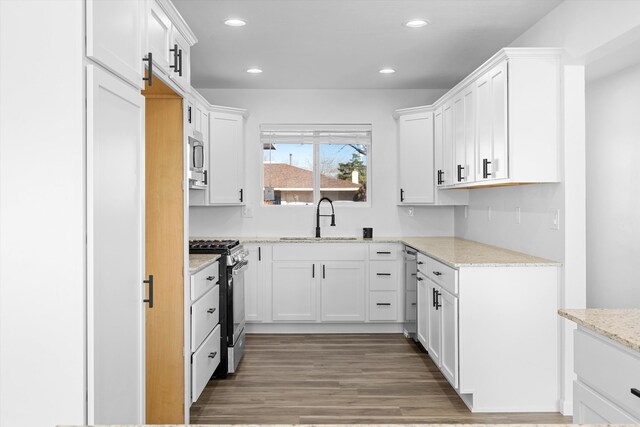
[555, 219]
[410, 211]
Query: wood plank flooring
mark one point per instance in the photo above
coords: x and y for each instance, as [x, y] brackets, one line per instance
[340, 379]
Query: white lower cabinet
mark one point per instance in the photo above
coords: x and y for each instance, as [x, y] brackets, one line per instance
[607, 387]
[204, 362]
[447, 304]
[254, 279]
[434, 323]
[383, 306]
[422, 312]
[342, 291]
[294, 290]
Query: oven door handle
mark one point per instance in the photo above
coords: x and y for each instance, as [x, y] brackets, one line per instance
[240, 267]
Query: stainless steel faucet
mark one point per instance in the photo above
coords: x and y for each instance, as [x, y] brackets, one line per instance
[333, 215]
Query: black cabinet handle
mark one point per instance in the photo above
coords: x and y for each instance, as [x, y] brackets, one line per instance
[383, 253]
[150, 299]
[189, 118]
[149, 60]
[313, 271]
[433, 297]
[413, 303]
[241, 195]
[383, 274]
[213, 355]
[438, 305]
[175, 59]
[323, 271]
[180, 62]
[460, 169]
[420, 262]
[401, 195]
[259, 253]
[420, 279]
[210, 278]
[437, 273]
[485, 168]
[211, 310]
[440, 174]
[383, 303]
[206, 178]
[635, 392]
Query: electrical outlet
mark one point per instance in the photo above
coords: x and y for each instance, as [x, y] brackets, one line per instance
[247, 211]
[518, 216]
[411, 211]
[489, 213]
[555, 219]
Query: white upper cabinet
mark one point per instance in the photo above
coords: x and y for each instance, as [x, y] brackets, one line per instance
[464, 135]
[158, 36]
[416, 161]
[180, 60]
[491, 159]
[226, 157]
[114, 37]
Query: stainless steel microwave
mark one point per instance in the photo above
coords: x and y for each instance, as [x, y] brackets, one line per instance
[197, 172]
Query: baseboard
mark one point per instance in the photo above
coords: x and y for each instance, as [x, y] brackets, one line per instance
[323, 328]
[566, 408]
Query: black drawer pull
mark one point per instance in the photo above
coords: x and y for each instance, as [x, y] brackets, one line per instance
[383, 303]
[210, 278]
[383, 253]
[212, 355]
[420, 279]
[420, 263]
[635, 392]
[413, 303]
[383, 274]
[211, 310]
[437, 273]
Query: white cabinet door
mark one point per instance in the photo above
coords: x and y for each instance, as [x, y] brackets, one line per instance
[448, 140]
[464, 135]
[342, 291]
[181, 72]
[449, 351]
[416, 161]
[226, 159]
[253, 280]
[439, 148]
[589, 407]
[114, 37]
[422, 323]
[435, 323]
[115, 250]
[294, 290]
[159, 37]
[491, 160]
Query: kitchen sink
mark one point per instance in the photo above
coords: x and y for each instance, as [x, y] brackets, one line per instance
[318, 238]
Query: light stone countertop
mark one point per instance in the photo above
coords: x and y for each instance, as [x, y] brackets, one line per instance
[453, 251]
[199, 261]
[620, 325]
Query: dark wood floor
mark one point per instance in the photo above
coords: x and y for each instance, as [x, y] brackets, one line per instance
[340, 379]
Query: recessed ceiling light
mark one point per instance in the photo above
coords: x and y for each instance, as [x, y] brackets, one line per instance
[387, 71]
[235, 22]
[254, 71]
[416, 23]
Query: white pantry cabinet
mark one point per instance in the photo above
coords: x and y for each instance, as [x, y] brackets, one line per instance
[415, 157]
[342, 291]
[226, 156]
[114, 37]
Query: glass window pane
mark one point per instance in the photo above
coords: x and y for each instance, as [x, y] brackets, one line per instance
[343, 172]
[288, 174]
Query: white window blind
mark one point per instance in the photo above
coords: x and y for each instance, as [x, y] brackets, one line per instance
[357, 134]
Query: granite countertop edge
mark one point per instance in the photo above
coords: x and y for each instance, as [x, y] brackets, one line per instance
[421, 247]
[198, 262]
[600, 323]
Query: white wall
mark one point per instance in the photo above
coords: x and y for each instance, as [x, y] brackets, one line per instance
[323, 106]
[41, 213]
[613, 207]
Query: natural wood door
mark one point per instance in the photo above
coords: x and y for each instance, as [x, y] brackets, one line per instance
[115, 250]
[165, 255]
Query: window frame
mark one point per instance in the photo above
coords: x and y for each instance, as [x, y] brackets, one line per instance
[316, 178]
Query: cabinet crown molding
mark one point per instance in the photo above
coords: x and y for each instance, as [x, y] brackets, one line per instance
[413, 110]
[232, 110]
[178, 21]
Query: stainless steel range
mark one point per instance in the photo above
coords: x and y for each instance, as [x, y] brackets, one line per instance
[233, 264]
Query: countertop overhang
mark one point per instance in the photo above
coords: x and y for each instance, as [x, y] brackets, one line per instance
[620, 325]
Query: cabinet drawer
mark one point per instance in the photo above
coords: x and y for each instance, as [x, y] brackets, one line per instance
[383, 306]
[204, 280]
[204, 362]
[204, 316]
[421, 263]
[383, 276]
[443, 275]
[591, 408]
[608, 369]
[382, 251]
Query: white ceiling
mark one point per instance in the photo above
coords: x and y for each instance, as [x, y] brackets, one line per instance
[341, 44]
